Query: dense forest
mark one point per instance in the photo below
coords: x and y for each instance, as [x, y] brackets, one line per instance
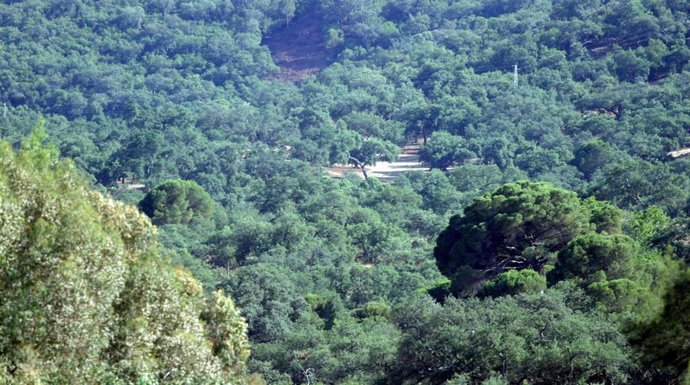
[165, 208]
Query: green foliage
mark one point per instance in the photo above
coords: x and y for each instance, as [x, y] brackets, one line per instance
[591, 156]
[227, 330]
[334, 38]
[177, 202]
[640, 185]
[630, 67]
[373, 309]
[440, 290]
[611, 271]
[86, 295]
[606, 217]
[201, 93]
[533, 338]
[648, 225]
[591, 256]
[444, 150]
[514, 282]
[188, 91]
[663, 339]
[519, 226]
[372, 150]
[268, 300]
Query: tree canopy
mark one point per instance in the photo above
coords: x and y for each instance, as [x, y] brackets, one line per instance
[87, 296]
[177, 202]
[519, 226]
[222, 118]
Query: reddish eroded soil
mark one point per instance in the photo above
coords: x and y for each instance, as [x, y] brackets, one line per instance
[299, 49]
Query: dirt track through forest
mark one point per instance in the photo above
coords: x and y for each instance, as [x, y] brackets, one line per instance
[408, 161]
[299, 49]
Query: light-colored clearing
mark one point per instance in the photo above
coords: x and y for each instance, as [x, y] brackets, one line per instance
[679, 153]
[408, 161]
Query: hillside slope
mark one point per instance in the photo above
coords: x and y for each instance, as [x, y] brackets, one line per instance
[299, 49]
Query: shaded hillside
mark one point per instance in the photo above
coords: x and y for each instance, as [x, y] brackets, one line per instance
[299, 49]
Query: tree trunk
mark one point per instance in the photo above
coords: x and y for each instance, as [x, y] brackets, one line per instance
[360, 165]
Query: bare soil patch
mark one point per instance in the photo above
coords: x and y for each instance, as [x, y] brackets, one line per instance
[299, 48]
[408, 161]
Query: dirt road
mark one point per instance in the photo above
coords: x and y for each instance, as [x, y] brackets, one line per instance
[408, 161]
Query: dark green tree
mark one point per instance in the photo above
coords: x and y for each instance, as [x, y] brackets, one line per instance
[444, 150]
[663, 340]
[514, 282]
[591, 156]
[519, 226]
[177, 201]
[595, 256]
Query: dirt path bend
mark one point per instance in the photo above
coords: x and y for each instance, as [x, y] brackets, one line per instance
[408, 161]
[684, 152]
